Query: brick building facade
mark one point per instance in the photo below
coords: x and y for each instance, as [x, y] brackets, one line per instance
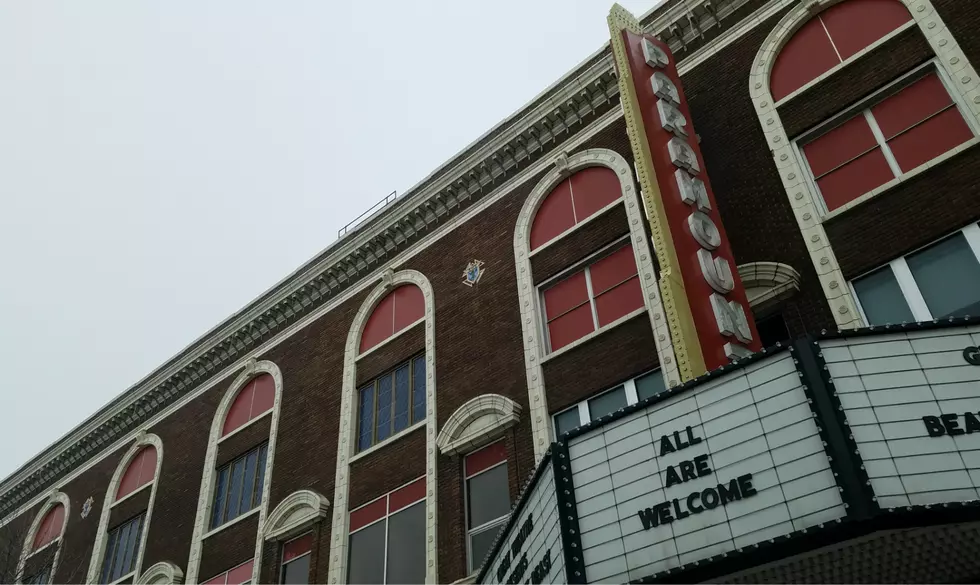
[499, 300]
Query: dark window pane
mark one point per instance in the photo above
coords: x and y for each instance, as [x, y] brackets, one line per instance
[110, 553]
[384, 407]
[772, 330]
[129, 560]
[882, 299]
[608, 402]
[418, 389]
[42, 577]
[406, 545]
[121, 550]
[122, 545]
[488, 496]
[297, 571]
[401, 397]
[366, 420]
[480, 543]
[219, 497]
[948, 276]
[567, 421]
[366, 555]
[248, 482]
[260, 476]
[235, 492]
[649, 385]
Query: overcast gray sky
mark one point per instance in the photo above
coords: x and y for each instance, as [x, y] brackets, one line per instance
[163, 163]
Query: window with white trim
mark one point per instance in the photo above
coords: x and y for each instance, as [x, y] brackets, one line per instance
[941, 280]
[487, 493]
[609, 401]
[121, 551]
[387, 538]
[391, 403]
[886, 136]
[591, 297]
[239, 486]
[240, 575]
[295, 567]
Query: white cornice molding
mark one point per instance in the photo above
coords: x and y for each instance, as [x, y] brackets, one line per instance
[526, 136]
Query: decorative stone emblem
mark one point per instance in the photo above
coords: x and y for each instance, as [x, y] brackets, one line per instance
[87, 507]
[473, 272]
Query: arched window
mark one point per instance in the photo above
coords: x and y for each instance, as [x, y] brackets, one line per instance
[574, 200]
[401, 308]
[254, 400]
[50, 528]
[830, 38]
[141, 471]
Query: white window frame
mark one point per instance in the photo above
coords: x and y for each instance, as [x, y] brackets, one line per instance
[864, 107]
[388, 514]
[606, 250]
[282, 564]
[906, 282]
[466, 510]
[585, 417]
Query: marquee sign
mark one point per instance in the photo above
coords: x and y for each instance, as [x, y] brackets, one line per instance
[707, 309]
[912, 402]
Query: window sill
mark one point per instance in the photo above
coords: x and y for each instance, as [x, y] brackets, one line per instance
[50, 544]
[387, 441]
[594, 334]
[246, 425]
[899, 180]
[575, 228]
[248, 514]
[131, 494]
[390, 339]
[129, 575]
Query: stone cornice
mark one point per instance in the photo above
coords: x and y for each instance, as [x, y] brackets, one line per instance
[581, 96]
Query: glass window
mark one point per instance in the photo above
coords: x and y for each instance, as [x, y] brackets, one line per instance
[121, 550]
[42, 577]
[239, 486]
[295, 568]
[948, 276]
[400, 403]
[607, 402]
[387, 542]
[630, 392]
[487, 508]
[940, 281]
[882, 299]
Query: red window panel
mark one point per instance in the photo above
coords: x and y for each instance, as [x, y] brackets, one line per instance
[566, 295]
[369, 513]
[256, 398]
[399, 309]
[807, 55]
[406, 496]
[912, 105]
[240, 574]
[855, 179]
[573, 325]
[50, 528]
[380, 325]
[855, 24]
[485, 458]
[297, 547]
[593, 189]
[930, 139]
[140, 472]
[845, 142]
[619, 301]
[409, 306]
[554, 216]
[264, 395]
[612, 270]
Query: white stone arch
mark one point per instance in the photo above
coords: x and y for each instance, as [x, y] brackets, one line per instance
[143, 439]
[345, 444]
[801, 194]
[252, 370]
[295, 513]
[476, 423]
[162, 573]
[768, 283]
[527, 293]
[54, 498]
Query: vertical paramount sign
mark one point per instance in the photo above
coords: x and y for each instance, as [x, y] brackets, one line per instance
[707, 311]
